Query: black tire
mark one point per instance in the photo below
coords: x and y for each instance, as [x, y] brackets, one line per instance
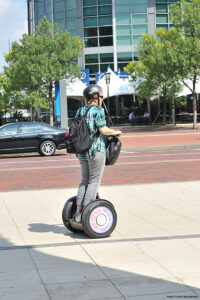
[68, 211]
[99, 219]
[47, 148]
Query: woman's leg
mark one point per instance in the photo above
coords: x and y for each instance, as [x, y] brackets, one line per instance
[83, 185]
[96, 169]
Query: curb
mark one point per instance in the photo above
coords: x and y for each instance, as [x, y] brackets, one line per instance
[164, 147]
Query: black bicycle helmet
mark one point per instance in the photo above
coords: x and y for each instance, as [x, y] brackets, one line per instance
[90, 91]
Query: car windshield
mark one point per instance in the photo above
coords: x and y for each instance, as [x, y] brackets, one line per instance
[10, 129]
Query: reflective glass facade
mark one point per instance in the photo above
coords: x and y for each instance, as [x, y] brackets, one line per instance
[111, 29]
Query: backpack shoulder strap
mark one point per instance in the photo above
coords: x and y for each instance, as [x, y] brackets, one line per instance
[79, 112]
[85, 115]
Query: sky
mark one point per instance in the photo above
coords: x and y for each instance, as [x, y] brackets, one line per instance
[13, 23]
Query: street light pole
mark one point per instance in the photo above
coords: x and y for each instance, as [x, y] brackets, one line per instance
[107, 78]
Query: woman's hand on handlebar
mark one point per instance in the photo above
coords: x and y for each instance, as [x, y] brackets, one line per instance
[117, 133]
[108, 131]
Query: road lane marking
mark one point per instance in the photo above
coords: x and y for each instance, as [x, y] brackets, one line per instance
[117, 164]
[122, 156]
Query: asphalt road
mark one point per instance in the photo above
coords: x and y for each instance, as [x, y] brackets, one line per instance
[30, 172]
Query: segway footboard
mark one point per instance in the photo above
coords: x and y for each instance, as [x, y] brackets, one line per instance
[99, 219]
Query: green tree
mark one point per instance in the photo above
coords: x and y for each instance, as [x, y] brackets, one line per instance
[42, 58]
[185, 15]
[155, 68]
[5, 94]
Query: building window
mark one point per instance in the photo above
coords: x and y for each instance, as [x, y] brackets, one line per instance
[139, 19]
[60, 15]
[106, 41]
[90, 22]
[61, 25]
[101, 2]
[89, 2]
[70, 4]
[40, 10]
[91, 58]
[106, 57]
[105, 10]
[124, 40]
[131, 21]
[122, 9]
[136, 40]
[104, 21]
[71, 13]
[139, 29]
[123, 19]
[90, 32]
[93, 68]
[71, 24]
[91, 42]
[124, 56]
[161, 19]
[59, 6]
[139, 8]
[104, 67]
[99, 18]
[90, 11]
[123, 30]
[106, 30]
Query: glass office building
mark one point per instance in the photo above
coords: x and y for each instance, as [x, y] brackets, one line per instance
[111, 29]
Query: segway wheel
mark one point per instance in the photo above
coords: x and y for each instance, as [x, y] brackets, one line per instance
[68, 211]
[99, 219]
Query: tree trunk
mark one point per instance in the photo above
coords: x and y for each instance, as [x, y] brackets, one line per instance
[148, 106]
[164, 110]
[195, 110]
[32, 110]
[173, 112]
[51, 104]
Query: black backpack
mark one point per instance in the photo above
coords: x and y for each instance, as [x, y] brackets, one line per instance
[78, 138]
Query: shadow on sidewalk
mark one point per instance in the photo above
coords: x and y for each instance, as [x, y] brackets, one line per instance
[42, 273]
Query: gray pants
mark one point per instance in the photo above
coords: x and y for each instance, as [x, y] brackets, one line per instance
[92, 172]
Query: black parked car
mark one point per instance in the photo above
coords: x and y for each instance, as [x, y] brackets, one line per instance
[31, 137]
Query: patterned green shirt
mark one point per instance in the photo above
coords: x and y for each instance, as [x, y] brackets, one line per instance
[95, 119]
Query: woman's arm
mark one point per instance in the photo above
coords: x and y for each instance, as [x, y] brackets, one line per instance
[108, 131]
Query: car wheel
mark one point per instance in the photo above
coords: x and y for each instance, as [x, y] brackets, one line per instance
[47, 148]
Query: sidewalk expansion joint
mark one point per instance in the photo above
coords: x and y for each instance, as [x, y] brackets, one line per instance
[102, 241]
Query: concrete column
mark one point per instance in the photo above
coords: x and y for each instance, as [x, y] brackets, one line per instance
[63, 104]
[151, 16]
[114, 36]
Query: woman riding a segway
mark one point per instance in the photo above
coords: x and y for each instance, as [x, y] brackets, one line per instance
[92, 162]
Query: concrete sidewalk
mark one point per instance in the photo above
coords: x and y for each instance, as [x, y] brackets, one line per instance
[153, 254]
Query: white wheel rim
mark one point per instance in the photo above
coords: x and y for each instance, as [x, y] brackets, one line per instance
[101, 219]
[48, 148]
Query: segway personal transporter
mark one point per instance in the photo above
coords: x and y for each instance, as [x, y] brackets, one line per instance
[99, 218]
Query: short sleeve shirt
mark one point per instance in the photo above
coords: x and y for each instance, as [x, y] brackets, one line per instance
[95, 119]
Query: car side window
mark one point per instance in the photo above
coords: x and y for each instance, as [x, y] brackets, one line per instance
[29, 128]
[10, 129]
[46, 127]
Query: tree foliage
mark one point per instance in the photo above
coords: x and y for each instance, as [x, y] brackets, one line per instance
[42, 58]
[156, 68]
[186, 18]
